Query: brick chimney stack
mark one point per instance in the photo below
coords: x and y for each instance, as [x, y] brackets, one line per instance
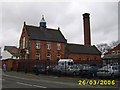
[87, 36]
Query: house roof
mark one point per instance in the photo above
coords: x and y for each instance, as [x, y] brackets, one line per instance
[117, 47]
[82, 49]
[41, 33]
[12, 49]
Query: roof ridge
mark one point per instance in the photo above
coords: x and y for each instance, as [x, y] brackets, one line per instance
[75, 44]
[39, 27]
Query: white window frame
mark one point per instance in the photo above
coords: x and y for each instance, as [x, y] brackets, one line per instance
[48, 46]
[48, 56]
[37, 56]
[58, 46]
[37, 45]
[58, 56]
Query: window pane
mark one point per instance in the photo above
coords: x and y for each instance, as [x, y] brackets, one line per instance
[23, 42]
[37, 56]
[48, 46]
[58, 57]
[37, 45]
[48, 57]
[58, 46]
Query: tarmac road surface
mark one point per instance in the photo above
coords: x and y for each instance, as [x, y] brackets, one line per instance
[15, 79]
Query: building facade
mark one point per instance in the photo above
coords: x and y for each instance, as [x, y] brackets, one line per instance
[42, 43]
[10, 52]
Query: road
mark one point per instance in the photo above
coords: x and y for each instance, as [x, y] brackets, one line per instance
[14, 79]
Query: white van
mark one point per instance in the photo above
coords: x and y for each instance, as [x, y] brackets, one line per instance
[65, 62]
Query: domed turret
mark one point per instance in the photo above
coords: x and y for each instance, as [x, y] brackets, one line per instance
[43, 22]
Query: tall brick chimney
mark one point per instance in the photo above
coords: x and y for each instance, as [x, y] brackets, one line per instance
[87, 36]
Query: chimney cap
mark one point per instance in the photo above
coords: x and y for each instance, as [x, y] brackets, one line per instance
[24, 23]
[58, 28]
[86, 14]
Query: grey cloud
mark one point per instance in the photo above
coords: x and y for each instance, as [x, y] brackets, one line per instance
[66, 15]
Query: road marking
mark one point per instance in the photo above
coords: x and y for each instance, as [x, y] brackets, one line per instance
[24, 83]
[30, 85]
[55, 77]
[39, 86]
[63, 83]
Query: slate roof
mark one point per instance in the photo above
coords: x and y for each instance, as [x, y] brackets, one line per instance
[82, 49]
[114, 56]
[12, 49]
[40, 33]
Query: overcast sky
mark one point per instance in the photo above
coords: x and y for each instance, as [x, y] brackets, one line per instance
[66, 15]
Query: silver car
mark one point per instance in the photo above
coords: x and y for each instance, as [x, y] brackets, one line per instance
[108, 71]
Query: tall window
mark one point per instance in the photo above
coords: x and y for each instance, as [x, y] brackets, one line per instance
[23, 42]
[58, 46]
[48, 57]
[37, 45]
[37, 56]
[48, 46]
[58, 57]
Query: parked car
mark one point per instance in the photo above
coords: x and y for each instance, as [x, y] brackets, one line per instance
[49, 69]
[109, 71]
[36, 69]
[73, 70]
[89, 71]
[69, 70]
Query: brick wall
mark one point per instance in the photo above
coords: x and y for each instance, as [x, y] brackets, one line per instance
[43, 50]
[84, 57]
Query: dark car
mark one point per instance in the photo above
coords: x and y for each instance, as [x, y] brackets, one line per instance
[36, 69]
[89, 71]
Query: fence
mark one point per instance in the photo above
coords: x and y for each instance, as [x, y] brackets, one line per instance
[28, 65]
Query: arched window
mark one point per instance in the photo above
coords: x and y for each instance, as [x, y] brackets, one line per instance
[58, 57]
[37, 56]
[48, 56]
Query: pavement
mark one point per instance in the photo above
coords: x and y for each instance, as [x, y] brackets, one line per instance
[13, 79]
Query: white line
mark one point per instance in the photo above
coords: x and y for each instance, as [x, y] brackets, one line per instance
[55, 77]
[63, 83]
[30, 85]
[24, 84]
[39, 86]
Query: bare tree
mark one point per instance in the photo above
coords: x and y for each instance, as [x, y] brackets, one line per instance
[104, 47]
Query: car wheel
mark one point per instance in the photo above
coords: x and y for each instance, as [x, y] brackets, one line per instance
[112, 75]
[74, 73]
[93, 74]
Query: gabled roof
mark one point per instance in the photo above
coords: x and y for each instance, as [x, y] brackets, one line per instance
[117, 47]
[12, 50]
[41, 33]
[112, 56]
[82, 49]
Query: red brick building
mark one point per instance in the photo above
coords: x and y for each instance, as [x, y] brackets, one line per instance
[115, 50]
[112, 56]
[42, 43]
